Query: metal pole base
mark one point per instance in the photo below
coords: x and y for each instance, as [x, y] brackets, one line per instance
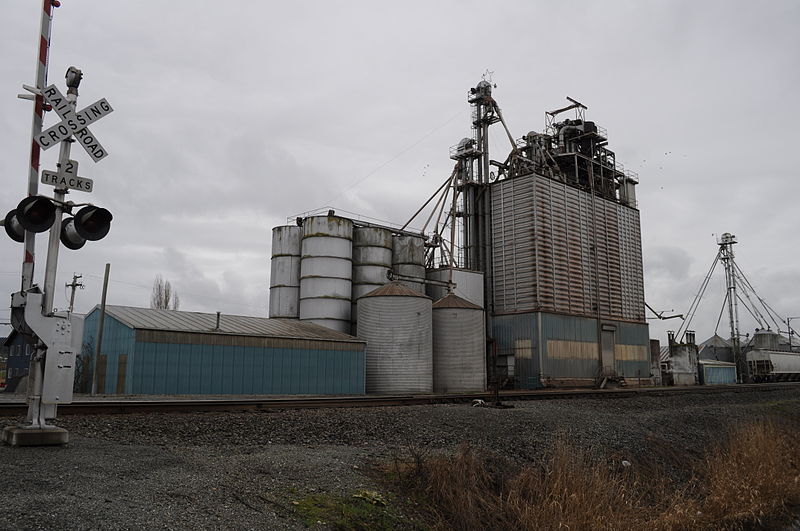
[26, 436]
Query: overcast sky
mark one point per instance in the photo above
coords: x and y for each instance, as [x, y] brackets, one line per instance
[231, 116]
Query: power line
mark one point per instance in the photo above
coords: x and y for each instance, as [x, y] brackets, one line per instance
[696, 302]
[397, 156]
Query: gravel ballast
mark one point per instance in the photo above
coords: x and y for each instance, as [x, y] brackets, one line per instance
[244, 470]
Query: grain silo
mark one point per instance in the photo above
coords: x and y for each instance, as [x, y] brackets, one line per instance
[372, 259]
[468, 284]
[326, 271]
[459, 346]
[284, 279]
[408, 260]
[396, 323]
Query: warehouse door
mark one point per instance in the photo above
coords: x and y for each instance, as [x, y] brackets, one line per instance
[101, 373]
[607, 346]
[122, 367]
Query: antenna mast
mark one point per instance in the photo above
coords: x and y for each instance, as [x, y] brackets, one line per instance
[726, 256]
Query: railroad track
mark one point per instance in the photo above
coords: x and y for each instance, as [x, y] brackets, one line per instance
[187, 405]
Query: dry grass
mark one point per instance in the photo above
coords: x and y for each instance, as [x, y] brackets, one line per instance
[751, 479]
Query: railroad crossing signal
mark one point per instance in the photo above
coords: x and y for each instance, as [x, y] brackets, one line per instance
[37, 213]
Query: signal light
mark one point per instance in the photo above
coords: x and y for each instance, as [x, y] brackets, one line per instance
[13, 228]
[36, 213]
[90, 223]
[69, 235]
[93, 222]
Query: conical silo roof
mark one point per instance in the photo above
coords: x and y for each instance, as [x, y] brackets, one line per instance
[451, 300]
[394, 289]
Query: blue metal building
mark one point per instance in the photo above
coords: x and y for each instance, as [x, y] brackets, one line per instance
[713, 372]
[147, 351]
[20, 349]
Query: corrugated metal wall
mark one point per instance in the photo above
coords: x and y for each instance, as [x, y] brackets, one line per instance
[118, 340]
[567, 347]
[156, 362]
[713, 375]
[545, 234]
[166, 368]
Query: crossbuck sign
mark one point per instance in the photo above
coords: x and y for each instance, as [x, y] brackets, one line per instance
[74, 123]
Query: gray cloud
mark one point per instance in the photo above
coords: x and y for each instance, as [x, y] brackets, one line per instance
[231, 116]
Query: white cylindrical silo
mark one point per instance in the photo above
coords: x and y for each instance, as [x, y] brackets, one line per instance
[408, 260]
[396, 323]
[372, 259]
[326, 271]
[459, 346]
[468, 284]
[284, 278]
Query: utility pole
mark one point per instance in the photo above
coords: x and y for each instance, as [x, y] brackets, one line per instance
[100, 327]
[726, 255]
[790, 331]
[74, 285]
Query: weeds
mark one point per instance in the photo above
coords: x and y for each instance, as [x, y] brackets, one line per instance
[751, 478]
[363, 511]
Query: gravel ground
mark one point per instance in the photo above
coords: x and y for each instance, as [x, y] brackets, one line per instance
[243, 470]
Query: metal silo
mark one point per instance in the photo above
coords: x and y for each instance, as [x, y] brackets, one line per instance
[469, 284]
[284, 278]
[459, 346]
[396, 323]
[326, 271]
[408, 259]
[372, 259]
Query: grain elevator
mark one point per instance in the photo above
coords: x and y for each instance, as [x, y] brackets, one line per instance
[544, 243]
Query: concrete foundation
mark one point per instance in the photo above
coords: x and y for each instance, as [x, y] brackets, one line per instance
[18, 436]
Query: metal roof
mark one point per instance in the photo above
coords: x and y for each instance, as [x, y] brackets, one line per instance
[716, 363]
[451, 300]
[394, 289]
[715, 341]
[177, 321]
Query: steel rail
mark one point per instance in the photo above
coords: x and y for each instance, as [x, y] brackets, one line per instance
[189, 405]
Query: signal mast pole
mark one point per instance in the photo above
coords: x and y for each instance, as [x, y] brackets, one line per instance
[73, 77]
[36, 129]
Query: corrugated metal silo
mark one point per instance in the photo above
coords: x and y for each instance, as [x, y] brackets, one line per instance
[408, 259]
[284, 278]
[372, 258]
[326, 271]
[396, 323]
[469, 284]
[459, 346]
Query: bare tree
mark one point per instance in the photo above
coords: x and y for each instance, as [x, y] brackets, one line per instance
[164, 297]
